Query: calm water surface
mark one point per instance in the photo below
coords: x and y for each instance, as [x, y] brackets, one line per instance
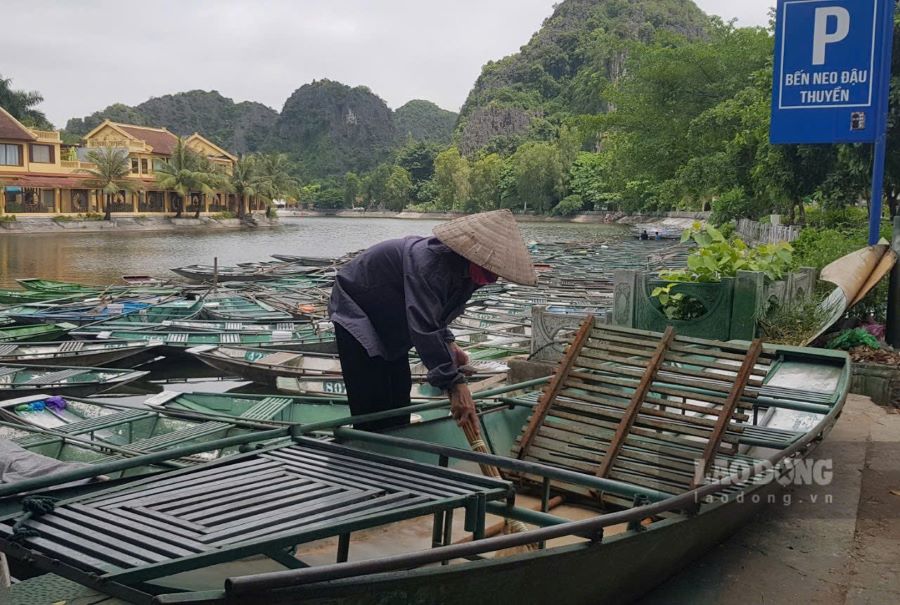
[103, 258]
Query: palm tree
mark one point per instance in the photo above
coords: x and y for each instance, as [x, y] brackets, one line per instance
[245, 181]
[186, 172]
[275, 180]
[110, 174]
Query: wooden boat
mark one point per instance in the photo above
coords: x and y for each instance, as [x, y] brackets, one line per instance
[290, 371]
[34, 332]
[142, 280]
[73, 352]
[658, 446]
[240, 308]
[19, 380]
[207, 273]
[309, 261]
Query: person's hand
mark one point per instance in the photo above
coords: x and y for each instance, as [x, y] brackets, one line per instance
[462, 406]
[460, 358]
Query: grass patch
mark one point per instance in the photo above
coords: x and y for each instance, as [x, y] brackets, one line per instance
[794, 324]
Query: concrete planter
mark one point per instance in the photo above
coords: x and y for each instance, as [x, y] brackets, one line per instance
[733, 305]
[880, 382]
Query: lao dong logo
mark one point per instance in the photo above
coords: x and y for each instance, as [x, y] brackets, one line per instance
[787, 472]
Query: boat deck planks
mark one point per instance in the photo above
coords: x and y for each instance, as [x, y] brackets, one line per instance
[291, 494]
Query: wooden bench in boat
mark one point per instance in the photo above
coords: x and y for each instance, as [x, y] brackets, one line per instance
[250, 504]
[656, 411]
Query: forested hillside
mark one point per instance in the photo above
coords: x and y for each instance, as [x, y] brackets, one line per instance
[566, 67]
[328, 128]
[239, 127]
[425, 122]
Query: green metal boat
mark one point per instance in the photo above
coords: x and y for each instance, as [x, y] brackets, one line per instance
[21, 297]
[240, 308]
[73, 352]
[176, 342]
[19, 380]
[85, 431]
[34, 332]
[49, 285]
[642, 452]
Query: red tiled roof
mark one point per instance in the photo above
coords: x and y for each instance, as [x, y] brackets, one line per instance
[162, 141]
[47, 182]
[11, 129]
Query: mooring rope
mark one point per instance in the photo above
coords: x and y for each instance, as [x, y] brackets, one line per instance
[34, 506]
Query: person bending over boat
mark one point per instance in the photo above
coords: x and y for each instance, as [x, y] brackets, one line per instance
[404, 293]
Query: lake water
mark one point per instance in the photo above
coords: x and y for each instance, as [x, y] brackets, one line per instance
[103, 258]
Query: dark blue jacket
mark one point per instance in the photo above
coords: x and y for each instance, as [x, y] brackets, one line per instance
[401, 294]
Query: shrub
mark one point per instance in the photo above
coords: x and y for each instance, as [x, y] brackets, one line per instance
[850, 339]
[732, 205]
[7, 218]
[223, 215]
[714, 258]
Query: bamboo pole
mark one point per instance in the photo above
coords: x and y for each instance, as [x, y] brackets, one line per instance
[473, 436]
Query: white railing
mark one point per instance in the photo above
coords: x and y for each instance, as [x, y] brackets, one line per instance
[760, 233]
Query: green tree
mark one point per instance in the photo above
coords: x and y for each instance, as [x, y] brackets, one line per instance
[451, 178]
[397, 190]
[352, 186]
[21, 105]
[275, 180]
[538, 175]
[486, 187]
[109, 174]
[187, 171]
[376, 185]
[418, 160]
[244, 181]
[587, 178]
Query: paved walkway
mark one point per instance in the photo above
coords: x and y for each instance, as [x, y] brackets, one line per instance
[806, 550]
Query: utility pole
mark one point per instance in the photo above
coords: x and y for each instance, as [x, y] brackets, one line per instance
[892, 333]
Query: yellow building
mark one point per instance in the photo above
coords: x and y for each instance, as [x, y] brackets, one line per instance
[39, 175]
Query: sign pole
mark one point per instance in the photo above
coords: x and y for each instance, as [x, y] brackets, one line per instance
[884, 88]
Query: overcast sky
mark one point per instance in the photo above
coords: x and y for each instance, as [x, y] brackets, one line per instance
[87, 54]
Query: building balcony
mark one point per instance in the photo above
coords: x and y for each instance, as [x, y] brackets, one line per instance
[131, 146]
[47, 136]
[75, 165]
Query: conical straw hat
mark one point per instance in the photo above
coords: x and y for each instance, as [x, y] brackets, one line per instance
[491, 240]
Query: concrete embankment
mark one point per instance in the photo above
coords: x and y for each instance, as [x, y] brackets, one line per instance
[129, 223]
[683, 219]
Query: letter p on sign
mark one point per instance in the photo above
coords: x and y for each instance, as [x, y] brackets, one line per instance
[821, 36]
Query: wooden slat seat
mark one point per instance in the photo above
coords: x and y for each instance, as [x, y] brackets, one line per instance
[655, 411]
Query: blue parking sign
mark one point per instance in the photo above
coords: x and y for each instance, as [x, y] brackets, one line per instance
[830, 59]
